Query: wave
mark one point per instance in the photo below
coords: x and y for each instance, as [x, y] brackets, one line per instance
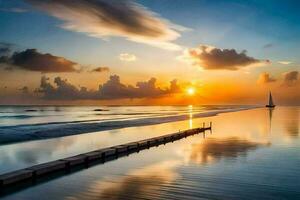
[19, 133]
[17, 116]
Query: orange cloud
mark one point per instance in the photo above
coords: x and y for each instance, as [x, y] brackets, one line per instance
[100, 69]
[212, 58]
[290, 78]
[265, 78]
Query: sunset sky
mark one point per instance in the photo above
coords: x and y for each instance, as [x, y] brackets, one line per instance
[152, 52]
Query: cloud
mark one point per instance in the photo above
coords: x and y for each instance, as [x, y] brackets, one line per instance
[103, 19]
[112, 89]
[284, 62]
[14, 10]
[267, 46]
[5, 49]
[212, 58]
[24, 90]
[63, 89]
[265, 78]
[32, 60]
[100, 69]
[290, 78]
[127, 57]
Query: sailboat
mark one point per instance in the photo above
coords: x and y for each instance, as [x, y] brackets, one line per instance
[271, 103]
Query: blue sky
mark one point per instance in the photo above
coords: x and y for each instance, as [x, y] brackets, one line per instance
[231, 24]
[227, 24]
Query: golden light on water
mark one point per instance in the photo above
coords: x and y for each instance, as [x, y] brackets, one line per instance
[191, 116]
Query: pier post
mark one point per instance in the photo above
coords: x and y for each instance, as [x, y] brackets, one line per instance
[86, 162]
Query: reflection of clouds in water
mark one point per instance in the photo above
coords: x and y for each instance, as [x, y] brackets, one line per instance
[114, 131]
[4, 158]
[215, 149]
[28, 157]
[32, 152]
[140, 184]
[292, 122]
[293, 129]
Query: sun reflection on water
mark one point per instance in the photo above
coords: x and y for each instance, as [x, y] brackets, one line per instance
[190, 116]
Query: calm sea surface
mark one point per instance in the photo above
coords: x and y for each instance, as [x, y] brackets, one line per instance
[19, 124]
[251, 154]
[35, 115]
[36, 123]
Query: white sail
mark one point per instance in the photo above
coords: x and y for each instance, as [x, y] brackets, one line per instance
[271, 103]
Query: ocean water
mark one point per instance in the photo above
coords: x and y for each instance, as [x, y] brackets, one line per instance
[19, 124]
[102, 128]
[34, 115]
[250, 154]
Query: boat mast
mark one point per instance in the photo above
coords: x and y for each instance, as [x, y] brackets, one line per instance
[270, 100]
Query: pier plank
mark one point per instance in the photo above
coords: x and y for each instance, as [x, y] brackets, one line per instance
[14, 177]
[108, 151]
[76, 160]
[48, 167]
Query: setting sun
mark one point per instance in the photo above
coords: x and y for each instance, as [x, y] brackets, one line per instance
[191, 91]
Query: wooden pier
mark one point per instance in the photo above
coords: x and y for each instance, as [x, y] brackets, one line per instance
[64, 166]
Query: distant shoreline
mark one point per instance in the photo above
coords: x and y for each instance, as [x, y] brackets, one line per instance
[114, 105]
